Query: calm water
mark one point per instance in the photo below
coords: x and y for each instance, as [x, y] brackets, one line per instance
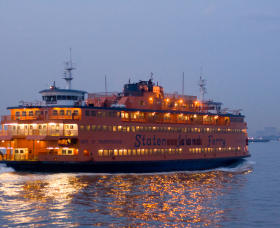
[246, 195]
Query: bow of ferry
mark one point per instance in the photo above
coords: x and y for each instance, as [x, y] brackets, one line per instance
[141, 129]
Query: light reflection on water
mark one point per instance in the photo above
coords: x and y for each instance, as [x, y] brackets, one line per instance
[185, 199]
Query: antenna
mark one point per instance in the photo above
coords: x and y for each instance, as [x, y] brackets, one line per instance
[202, 89]
[152, 75]
[183, 85]
[105, 85]
[67, 74]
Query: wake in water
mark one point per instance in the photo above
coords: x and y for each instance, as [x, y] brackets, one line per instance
[5, 169]
[239, 167]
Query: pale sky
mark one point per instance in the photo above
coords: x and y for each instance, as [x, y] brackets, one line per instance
[237, 43]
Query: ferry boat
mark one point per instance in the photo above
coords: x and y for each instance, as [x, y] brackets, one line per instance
[141, 129]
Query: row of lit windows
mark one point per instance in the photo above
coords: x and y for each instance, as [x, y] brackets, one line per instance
[62, 112]
[121, 152]
[102, 113]
[138, 152]
[158, 129]
[214, 150]
[54, 113]
[157, 116]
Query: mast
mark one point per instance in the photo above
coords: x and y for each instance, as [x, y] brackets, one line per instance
[202, 89]
[67, 74]
[105, 85]
[183, 85]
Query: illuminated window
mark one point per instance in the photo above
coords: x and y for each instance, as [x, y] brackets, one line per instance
[99, 128]
[124, 152]
[103, 114]
[104, 128]
[86, 152]
[119, 128]
[81, 127]
[99, 113]
[61, 112]
[134, 152]
[106, 152]
[87, 127]
[138, 152]
[115, 152]
[133, 128]
[124, 128]
[120, 152]
[128, 152]
[109, 128]
[128, 129]
[100, 152]
[68, 112]
[54, 112]
[114, 128]
[137, 128]
[93, 127]
[111, 152]
[143, 152]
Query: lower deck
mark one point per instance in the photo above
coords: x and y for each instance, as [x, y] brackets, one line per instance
[124, 166]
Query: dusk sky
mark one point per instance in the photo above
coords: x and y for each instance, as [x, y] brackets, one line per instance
[237, 44]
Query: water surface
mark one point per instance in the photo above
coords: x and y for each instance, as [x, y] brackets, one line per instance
[244, 195]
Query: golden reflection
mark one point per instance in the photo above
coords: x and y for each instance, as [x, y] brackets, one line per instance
[186, 199]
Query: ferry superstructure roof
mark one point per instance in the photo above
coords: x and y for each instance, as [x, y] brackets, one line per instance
[62, 90]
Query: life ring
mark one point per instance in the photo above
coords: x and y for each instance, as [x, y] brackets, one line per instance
[69, 132]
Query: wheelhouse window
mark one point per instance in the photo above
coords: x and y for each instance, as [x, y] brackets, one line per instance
[37, 113]
[30, 113]
[23, 113]
[17, 114]
[87, 113]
